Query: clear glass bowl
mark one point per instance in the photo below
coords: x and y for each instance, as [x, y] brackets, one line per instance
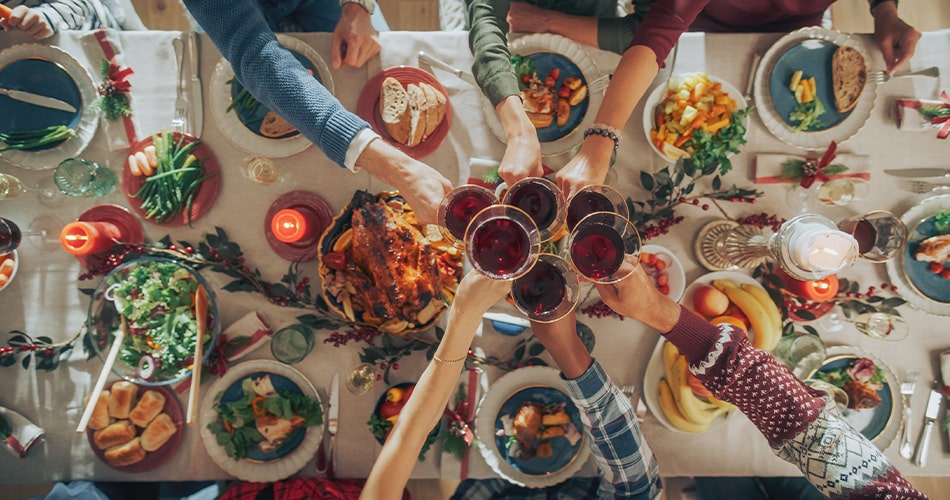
[104, 320]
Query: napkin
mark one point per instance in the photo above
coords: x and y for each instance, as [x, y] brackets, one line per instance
[236, 341]
[768, 168]
[103, 46]
[916, 115]
[473, 383]
[18, 433]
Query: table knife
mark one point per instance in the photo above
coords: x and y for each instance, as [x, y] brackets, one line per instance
[332, 422]
[915, 173]
[438, 63]
[38, 100]
[196, 104]
[930, 418]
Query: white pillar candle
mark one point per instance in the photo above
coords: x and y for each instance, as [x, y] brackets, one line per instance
[818, 248]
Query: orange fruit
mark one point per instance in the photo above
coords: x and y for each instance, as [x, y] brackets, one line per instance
[730, 320]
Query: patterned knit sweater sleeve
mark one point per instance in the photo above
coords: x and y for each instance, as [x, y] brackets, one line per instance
[838, 461]
[274, 76]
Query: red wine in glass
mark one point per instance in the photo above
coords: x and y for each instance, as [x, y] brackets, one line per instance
[541, 200]
[10, 236]
[541, 290]
[500, 246]
[585, 203]
[597, 251]
[866, 234]
[461, 206]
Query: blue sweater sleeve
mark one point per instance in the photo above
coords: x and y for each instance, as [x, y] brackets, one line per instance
[272, 74]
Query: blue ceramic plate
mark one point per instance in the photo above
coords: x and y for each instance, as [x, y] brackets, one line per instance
[43, 77]
[544, 62]
[281, 383]
[564, 452]
[872, 422]
[813, 58]
[925, 282]
[252, 120]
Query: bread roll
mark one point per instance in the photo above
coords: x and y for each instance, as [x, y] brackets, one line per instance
[434, 107]
[394, 110]
[121, 398]
[273, 125]
[417, 115]
[117, 433]
[158, 432]
[849, 74]
[100, 414]
[125, 454]
[150, 404]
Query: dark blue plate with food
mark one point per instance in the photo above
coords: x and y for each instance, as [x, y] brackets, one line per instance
[923, 274]
[554, 92]
[45, 78]
[813, 59]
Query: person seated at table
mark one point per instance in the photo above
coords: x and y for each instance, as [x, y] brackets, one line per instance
[799, 426]
[44, 18]
[650, 43]
[476, 293]
[276, 78]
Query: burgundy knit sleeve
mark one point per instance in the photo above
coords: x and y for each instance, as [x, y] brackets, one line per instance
[664, 23]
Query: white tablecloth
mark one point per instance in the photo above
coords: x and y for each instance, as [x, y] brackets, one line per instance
[44, 299]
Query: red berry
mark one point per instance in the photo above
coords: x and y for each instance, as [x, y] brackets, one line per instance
[945, 274]
[382, 366]
[395, 366]
[379, 377]
[695, 201]
[705, 206]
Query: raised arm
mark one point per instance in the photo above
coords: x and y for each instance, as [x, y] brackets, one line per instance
[391, 471]
[896, 39]
[625, 461]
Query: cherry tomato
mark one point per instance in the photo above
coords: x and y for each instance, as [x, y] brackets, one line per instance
[550, 82]
[663, 279]
[555, 73]
[935, 267]
[335, 260]
[664, 289]
[660, 264]
[945, 274]
[565, 92]
[525, 78]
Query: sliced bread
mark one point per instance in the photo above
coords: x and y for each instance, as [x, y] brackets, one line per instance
[274, 126]
[435, 107]
[394, 110]
[849, 74]
[417, 114]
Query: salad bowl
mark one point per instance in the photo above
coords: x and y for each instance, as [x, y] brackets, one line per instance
[154, 299]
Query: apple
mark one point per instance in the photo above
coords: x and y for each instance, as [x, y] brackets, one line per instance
[709, 301]
[733, 311]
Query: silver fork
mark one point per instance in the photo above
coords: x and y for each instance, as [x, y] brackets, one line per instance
[924, 187]
[907, 390]
[882, 76]
[180, 121]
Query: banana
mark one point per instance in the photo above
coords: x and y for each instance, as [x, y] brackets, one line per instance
[670, 411]
[692, 409]
[670, 354]
[770, 308]
[765, 335]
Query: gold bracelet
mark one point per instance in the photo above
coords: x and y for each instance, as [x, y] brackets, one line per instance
[450, 361]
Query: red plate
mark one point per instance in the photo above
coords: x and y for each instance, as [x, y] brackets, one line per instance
[368, 108]
[204, 197]
[128, 225]
[318, 212]
[158, 457]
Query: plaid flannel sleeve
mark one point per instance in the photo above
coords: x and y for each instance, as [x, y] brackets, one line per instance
[625, 461]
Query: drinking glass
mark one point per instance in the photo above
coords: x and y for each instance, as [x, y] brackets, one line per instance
[548, 291]
[10, 187]
[459, 207]
[836, 396]
[81, 178]
[604, 247]
[841, 192]
[361, 378]
[260, 170]
[882, 326]
[880, 234]
[502, 242]
[43, 233]
[801, 353]
[596, 198]
[541, 199]
[291, 344]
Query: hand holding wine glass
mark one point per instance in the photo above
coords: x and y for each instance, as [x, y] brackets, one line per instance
[502, 242]
[604, 247]
[548, 292]
[459, 207]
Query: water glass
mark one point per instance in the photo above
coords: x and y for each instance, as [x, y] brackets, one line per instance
[361, 378]
[880, 234]
[10, 187]
[841, 192]
[291, 344]
[260, 170]
[81, 178]
[882, 326]
[801, 353]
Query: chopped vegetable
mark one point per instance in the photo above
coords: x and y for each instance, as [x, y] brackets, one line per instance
[692, 105]
[30, 139]
[810, 107]
[171, 189]
[942, 222]
[523, 65]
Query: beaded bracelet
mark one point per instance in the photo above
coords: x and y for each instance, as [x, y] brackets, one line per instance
[605, 131]
[875, 3]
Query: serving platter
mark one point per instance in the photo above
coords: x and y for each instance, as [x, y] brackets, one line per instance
[49, 71]
[243, 129]
[921, 288]
[810, 50]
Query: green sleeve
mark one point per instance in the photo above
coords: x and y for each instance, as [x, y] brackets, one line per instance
[614, 33]
[489, 44]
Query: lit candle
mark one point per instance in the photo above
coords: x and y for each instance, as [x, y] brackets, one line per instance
[290, 226]
[820, 249]
[89, 238]
[814, 290]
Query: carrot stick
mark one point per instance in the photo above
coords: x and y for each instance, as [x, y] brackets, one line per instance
[5, 12]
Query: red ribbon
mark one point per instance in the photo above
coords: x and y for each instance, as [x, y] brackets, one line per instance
[945, 120]
[812, 169]
[118, 79]
[13, 443]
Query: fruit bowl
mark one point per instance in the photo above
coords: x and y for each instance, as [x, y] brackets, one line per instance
[753, 310]
[158, 347]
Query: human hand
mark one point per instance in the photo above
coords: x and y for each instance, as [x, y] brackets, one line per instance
[522, 158]
[524, 17]
[637, 297]
[354, 40]
[589, 167]
[896, 39]
[28, 20]
[477, 292]
[423, 188]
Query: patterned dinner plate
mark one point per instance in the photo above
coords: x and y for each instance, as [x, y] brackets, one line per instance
[915, 283]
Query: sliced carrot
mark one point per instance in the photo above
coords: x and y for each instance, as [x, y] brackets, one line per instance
[715, 126]
[682, 140]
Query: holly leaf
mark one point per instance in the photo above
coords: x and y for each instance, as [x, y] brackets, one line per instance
[647, 180]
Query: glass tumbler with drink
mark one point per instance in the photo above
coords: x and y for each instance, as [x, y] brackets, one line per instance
[502, 242]
[604, 247]
[548, 291]
[880, 234]
[459, 207]
[361, 378]
[260, 170]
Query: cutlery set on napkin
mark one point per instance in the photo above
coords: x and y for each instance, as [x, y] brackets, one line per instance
[189, 107]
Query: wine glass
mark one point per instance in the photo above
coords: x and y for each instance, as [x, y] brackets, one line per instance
[548, 291]
[81, 178]
[260, 170]
[604, 247]
[880, 234]
[541, 199]
[459, 207]
[833, 193]
[42, 231]
[46, 191]
[882, 326]
[361, 378]
[10, 187]
[595, 198]
[502, 242]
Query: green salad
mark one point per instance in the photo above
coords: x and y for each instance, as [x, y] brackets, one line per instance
[263, 417]
[157, 300]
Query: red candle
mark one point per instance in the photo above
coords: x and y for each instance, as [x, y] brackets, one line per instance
[88, 238]
[815, 290]
[290, 226]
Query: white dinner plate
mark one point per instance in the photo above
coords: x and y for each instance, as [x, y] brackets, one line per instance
[579, 57]
[897, 268]
[674, 270]
[777, 58]
[236, 131]
[84, 120]
[259, 471]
